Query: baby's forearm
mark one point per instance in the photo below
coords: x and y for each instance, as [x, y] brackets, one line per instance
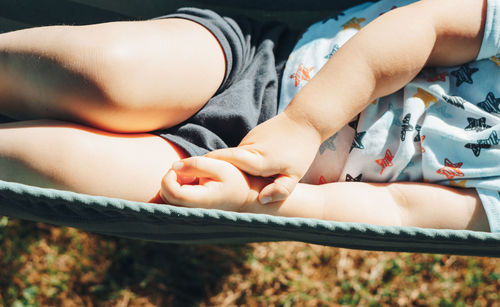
[384, 56]
[223, 186]
[341, 202]
[390, 204]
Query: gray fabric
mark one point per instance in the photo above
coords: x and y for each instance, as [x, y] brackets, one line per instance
[255, 55]
[169, 224]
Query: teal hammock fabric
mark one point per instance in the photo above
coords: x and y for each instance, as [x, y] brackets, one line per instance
[164, 223]
[170, 224]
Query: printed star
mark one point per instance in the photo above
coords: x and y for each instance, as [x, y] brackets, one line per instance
[441, 77]
[417, 137]
[334, 49]
[456, 101]
[392, 8]
[496, 60]
[328, 144]
[425, 96]
[354, 123]
[483, 143]
[491, 104]
[422, 138]
[386, 161]
[451, 170]
[491, 140]
[302, 74]
[478, 124]
[406, 126]
[349, 178]
[356, 143]
[458, 184]
[464, 74]
[354, 23]
[476, 148]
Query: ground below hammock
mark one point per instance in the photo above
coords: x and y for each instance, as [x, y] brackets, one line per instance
[42, 265]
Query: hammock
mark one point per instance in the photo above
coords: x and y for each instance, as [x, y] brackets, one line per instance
[170, 224]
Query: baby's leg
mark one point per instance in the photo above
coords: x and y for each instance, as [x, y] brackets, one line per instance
[119, 76]
[72, 157]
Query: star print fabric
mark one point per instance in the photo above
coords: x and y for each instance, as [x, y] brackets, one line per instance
[442, 128]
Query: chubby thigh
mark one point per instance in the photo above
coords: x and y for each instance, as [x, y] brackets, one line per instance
[129, 76]
[73, 157]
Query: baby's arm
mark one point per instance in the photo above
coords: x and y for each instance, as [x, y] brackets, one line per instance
[386, 55]
[220, 185]
[380, 59]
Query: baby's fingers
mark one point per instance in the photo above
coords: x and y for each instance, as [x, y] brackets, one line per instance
[279, 190]
[172, 192]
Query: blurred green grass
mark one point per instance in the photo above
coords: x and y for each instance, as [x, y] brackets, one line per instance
[42, 265]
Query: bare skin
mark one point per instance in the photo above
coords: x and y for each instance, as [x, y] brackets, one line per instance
[95, 83]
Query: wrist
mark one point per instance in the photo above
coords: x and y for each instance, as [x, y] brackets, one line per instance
[301, 126]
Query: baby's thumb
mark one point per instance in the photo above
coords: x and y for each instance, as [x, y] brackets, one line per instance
[279, 190]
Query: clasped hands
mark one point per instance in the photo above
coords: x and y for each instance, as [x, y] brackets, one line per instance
[264, 168]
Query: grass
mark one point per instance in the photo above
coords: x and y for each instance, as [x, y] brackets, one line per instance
[42, 265]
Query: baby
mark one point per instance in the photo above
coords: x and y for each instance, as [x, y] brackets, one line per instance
[434, 138]
[107, 109]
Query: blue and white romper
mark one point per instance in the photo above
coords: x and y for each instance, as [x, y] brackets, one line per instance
[443, 127]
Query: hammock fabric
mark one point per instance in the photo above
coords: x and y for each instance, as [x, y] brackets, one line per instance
[164, 223]
[170, 224]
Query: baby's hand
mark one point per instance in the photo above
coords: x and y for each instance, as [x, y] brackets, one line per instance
[203, 182]
[279, 147]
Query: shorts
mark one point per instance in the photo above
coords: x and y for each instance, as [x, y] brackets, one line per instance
[255, 54]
